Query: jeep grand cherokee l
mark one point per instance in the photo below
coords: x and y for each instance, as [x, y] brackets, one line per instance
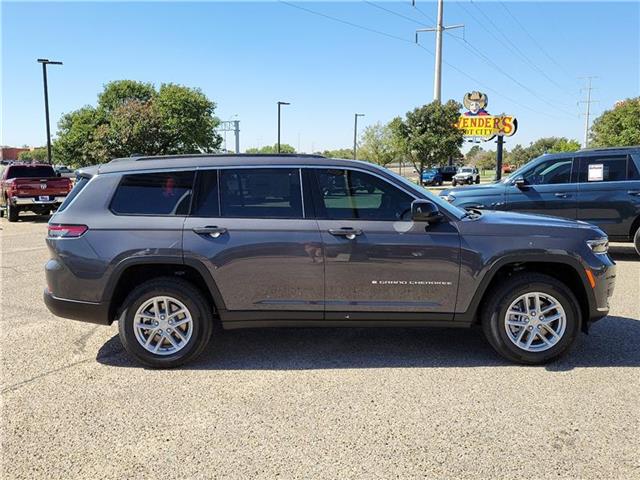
[168, 246]
[599, 186]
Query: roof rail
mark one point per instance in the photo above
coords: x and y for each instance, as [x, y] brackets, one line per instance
[597, 149]
[137, 158]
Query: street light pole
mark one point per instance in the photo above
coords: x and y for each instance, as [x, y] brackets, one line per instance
[355, 133]
[279, 105]
[44, 63]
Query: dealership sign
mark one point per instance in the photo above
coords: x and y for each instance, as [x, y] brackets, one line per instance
[479, 124]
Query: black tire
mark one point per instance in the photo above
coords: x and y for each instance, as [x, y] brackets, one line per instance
[12, 213]
[453, 183]
[495, 308]
[636, 240]
[199, 308]
[477, 180]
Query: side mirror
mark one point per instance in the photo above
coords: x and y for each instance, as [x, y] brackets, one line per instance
[519, 182]
[425, 211]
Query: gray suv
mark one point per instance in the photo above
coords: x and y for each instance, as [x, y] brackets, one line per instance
[171, 246]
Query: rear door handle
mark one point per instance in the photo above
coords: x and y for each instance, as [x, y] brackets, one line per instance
[212, 231]
[562, 195]
[635, 193]
[349, 233]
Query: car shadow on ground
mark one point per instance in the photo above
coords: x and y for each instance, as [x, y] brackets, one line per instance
[624, 252]
[612, 342]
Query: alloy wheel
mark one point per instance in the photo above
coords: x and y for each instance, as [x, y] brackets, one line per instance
[163, 325]
[535, 322]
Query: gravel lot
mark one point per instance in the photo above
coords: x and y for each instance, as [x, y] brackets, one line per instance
[310, 403]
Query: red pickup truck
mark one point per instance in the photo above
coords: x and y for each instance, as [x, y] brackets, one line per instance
[33, 187]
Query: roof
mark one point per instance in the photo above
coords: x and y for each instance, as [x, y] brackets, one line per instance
[214, 160]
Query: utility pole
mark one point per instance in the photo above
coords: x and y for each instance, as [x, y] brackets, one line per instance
[587, 115]
[45, 62]
[439, 28]
[355, 133]
[279, 105]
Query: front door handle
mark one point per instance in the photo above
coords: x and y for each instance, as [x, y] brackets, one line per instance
[348, 232]
[562, 195]
[635, 193]
[212, 231]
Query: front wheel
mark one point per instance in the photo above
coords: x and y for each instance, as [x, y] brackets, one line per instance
[167, 322]
[531, 318]
[636, 240]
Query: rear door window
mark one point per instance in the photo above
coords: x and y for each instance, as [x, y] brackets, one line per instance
[260, 193]
[27, 171]
[611, 168]
[166, 193]
[207, 198]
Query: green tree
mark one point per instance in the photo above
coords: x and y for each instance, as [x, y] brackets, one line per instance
[36, 155]
[133, 118]
[430, 135]
[473, 155]
[619, 127]
[518, 156]
[551, 145]
[486, 160]
[271, 149]
[378, 145]
[338, 153]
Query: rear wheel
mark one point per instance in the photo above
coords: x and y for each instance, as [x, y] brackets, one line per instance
[531, 319]
[167, 322]
[12, 212]
[453, 183]
[477, 180]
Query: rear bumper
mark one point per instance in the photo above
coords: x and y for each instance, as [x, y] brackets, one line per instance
[33, 201]
[77, 310]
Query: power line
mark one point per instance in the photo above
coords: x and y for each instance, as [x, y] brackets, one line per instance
[525, 58]
[395, 37]
[397, 14]
[346, 22]
[535, 42]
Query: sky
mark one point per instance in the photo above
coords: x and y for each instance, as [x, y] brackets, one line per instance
[527, 56]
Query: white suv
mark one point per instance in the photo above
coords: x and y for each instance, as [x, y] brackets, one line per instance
[466, 175]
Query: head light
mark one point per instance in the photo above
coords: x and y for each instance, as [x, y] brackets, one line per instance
[599, 245]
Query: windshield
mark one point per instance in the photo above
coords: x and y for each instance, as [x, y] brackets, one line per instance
[519, 171]
[441, 203]
[466, 170]
[431, 171]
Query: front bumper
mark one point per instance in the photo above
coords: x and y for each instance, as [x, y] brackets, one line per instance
[77, 310]
[604, 275]
[35, 201]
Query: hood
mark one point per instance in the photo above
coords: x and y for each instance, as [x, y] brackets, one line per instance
[485, 189]
[500, 223]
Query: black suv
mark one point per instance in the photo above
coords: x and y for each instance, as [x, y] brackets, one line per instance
[169, 246]
[599, 186]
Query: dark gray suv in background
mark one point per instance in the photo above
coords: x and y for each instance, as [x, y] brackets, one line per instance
[599, 186]
[169, 245]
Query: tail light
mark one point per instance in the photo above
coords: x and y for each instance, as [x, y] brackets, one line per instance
[12, 190]
[66, 231]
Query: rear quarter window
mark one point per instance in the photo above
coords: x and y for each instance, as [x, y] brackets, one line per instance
[77, 188]
[166, 193]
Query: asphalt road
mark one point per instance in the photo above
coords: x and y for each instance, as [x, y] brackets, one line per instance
[352, 403]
